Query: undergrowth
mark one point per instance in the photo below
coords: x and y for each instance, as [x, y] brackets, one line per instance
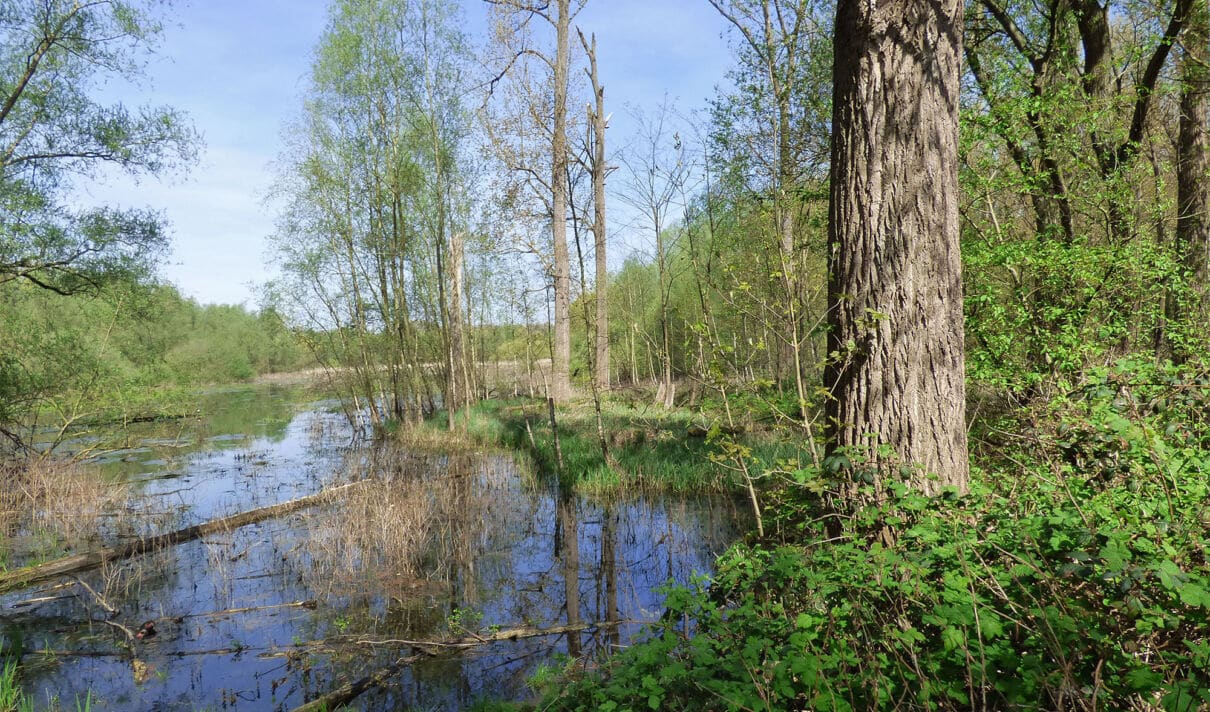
[1072, 576]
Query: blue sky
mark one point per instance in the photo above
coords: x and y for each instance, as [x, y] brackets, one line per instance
[239, 69]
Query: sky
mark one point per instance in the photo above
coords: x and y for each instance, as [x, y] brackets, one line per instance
[239, 68]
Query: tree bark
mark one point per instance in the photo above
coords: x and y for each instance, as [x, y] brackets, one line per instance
[896, 373]
[459, 388]
[1193, 170]
[560, 385]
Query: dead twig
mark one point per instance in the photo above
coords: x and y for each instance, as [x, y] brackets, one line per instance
[100, 600]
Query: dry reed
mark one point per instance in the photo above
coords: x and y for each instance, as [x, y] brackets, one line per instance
[400, 531]
[60, 504]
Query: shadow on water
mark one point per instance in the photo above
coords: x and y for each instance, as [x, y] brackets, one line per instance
[431, 547]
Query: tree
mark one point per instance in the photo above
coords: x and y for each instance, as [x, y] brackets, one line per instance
[896, 371]
[53, 133]
[598, 167]
[656, 173]
[372, 238]
[772, 131]
[558, 14]
[1193, 168]
[1068, 248]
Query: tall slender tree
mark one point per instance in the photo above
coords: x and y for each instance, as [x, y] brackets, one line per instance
[1193, 168]
[656, 170]
[896, 371]
[558, 14]
[372, 236]
[599, 169]
[777, 123]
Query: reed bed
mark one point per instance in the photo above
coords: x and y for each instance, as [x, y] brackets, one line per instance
[404, 529]
[51, 506]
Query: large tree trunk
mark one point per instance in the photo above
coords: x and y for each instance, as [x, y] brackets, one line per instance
[897, 376]
[560, 385]
[1193, 188]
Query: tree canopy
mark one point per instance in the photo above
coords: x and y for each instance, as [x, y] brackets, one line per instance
[55, 132]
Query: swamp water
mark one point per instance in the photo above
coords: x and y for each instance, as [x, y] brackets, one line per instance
[274, 614]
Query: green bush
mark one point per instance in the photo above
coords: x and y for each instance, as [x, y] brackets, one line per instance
[1078, 580]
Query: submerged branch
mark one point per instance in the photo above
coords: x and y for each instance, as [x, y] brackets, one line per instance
[352, 690]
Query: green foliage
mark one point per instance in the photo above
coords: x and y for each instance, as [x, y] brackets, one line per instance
[12, 697]
[648, 447]
[125, 352]
[375, 193]
[1040, 308]
[1079, 581]
[52, 55]
[1067, 247]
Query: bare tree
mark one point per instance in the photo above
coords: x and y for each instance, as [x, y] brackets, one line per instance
[656, 171]
[599, 169]
[558, 14]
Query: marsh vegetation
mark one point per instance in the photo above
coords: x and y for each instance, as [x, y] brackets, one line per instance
[427, 550]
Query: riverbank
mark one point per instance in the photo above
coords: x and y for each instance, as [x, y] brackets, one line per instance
[1072, 575]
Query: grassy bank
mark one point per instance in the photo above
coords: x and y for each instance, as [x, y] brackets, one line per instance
[649, 448]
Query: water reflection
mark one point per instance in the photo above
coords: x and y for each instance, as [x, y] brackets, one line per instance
[274, 614]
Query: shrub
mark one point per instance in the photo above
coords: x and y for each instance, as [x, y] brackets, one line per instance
[1077, 581]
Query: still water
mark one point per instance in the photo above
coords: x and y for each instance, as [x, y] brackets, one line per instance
[277, 613]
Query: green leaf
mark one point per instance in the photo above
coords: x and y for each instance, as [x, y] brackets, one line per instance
[952, 638]
[1171, 575]
[1193, 595]
[1144, 679]
[1115, 554]
[990, 626]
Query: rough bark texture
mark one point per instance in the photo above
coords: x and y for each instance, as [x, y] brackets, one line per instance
[897, 375]
[560, 383]
[1193, 171]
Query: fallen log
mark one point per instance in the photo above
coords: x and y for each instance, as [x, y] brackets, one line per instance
[350, 691]
[29, 575]
[309, 605]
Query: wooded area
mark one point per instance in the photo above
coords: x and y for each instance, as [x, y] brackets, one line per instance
[955, 255]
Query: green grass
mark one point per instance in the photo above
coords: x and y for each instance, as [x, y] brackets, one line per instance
[651, 448]
[12, 697]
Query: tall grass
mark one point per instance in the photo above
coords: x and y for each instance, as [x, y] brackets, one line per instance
[399, 531]
[12, 697]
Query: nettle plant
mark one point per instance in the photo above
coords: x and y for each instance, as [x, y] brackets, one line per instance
[1072, 577]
